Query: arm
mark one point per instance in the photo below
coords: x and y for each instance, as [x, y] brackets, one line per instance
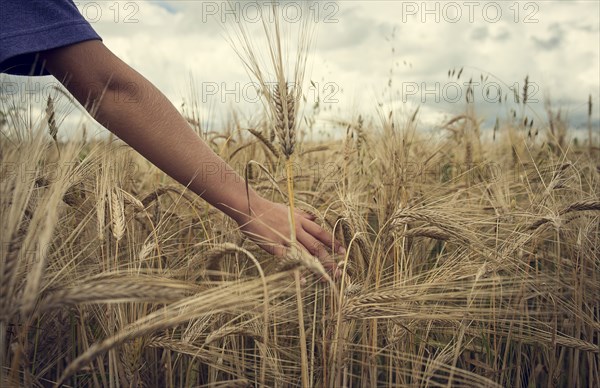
[154, 127]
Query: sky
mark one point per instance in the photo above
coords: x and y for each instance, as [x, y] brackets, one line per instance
[370, 57]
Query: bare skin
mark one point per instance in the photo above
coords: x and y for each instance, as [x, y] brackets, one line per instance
[138, 113]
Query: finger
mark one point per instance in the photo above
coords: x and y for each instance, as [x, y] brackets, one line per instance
[323, 236]
[327, 262]
[318, 250]
[278, 250]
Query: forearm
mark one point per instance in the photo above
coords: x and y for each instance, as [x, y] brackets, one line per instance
[150, 124]
[138, 113]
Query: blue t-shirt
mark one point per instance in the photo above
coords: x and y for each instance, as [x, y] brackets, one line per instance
[30, 26]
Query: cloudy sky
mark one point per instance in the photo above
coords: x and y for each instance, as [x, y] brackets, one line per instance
[371, 55]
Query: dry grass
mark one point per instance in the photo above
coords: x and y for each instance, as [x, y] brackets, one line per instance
[472, 278]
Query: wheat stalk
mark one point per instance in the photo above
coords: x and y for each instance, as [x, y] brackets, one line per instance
[265, 141]
[117, 213]
[51, 120]
[146, 250]
[232, 298]
[117, 290]
[589, 205]
[285, 121]
[589, 125]
[282, 101]
[431, 232]
[228, 330]
[148, 199]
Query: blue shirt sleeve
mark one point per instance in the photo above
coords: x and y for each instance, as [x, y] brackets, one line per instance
[30, 26]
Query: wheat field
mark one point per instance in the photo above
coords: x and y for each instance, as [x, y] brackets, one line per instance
[471, 261]
[480, 270]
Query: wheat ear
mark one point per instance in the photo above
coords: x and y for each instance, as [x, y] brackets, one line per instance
[51, 119]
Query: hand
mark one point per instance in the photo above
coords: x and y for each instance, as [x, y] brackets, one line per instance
[269, 227]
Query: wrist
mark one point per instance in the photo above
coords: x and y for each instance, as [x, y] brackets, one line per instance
[249, 206]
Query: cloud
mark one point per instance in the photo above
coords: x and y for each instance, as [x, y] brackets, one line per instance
[480, 33]
[361, 45]
[502, 35]
[171, 8]
[556, 36]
